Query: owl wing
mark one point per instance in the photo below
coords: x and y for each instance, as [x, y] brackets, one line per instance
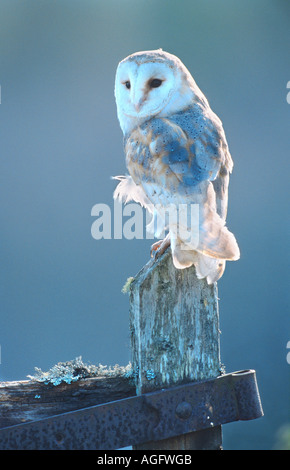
[179, 153]
[184, 159]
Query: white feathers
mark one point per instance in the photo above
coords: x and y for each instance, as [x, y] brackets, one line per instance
[127, 191]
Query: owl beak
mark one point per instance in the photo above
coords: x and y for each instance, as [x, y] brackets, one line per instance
[139, 104]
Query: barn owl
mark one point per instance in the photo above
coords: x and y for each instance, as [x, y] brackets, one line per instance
[177, 156]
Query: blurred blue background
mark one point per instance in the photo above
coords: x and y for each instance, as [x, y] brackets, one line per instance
[61, 142]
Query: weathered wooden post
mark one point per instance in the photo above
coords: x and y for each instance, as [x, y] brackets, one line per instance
[174, 324]
[175, 340]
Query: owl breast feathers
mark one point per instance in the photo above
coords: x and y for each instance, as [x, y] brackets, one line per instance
[177, 159]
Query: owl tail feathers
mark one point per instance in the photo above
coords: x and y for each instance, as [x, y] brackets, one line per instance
[183, 258]
[210, 268]
[221, 246]
[215, 245]
[215, 240]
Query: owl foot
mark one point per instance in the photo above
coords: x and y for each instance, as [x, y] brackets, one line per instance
[158, 248]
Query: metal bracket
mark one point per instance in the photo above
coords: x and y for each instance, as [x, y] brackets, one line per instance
[152, 416]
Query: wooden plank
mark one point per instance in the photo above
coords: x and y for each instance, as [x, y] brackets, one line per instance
[29, 400]
[174, 324]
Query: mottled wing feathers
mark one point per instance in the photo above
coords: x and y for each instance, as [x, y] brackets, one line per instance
[178, 153]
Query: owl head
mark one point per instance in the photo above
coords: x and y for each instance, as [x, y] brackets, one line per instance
[151, 83]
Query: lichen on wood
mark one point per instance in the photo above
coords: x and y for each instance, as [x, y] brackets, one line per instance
[50, 393]
[126, 287]
[76, 369]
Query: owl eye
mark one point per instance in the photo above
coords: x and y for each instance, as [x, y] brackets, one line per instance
[127, 84]
[155, 83]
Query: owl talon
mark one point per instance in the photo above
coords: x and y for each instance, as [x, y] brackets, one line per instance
[158, 248]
